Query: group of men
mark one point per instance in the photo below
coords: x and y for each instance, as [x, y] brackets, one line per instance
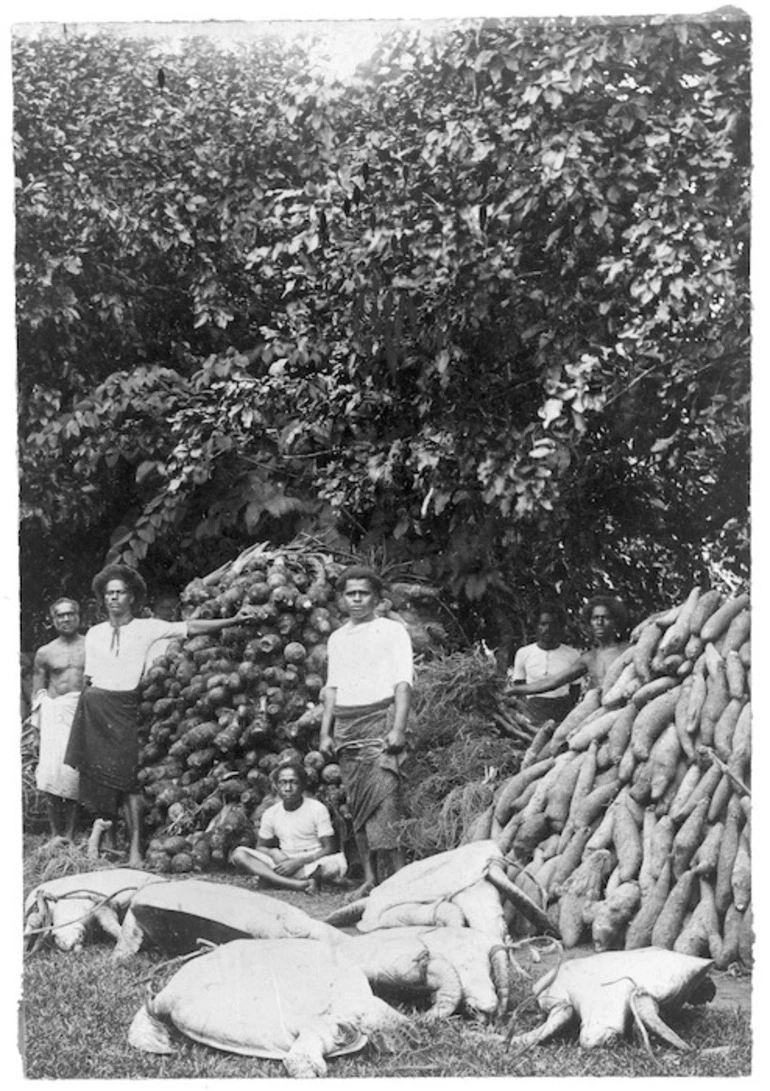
[547, 672]
[85, 698]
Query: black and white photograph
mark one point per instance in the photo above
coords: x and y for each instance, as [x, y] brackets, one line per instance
[380, 437]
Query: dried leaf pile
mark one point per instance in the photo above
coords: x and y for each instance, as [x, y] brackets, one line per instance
[632, 816]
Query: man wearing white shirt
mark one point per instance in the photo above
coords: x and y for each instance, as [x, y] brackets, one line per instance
[366, 707]
[534, 662]
[103, 744]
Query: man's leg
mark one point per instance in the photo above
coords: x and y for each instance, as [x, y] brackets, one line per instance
[367, 862]
[247, 860]
[389, 861]
[135, 821]
[70, 818]
[55, 817]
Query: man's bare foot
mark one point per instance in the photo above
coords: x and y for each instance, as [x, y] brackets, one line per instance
[360, 892]
[135, 860]
[312, 886]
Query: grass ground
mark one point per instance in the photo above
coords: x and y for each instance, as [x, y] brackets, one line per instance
[76, 1009]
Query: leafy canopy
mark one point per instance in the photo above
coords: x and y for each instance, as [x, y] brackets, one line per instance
[487, 306]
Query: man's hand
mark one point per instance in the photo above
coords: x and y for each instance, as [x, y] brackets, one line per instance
[246, 613]
[326, 746]
[394, 741]
[287, 868]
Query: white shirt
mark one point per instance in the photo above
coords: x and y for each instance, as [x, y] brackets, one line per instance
[115, 659]
[298, 831]
[367, 661]
[532, 663]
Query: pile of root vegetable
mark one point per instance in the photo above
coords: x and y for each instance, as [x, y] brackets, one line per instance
[219, 712]
[631, 817]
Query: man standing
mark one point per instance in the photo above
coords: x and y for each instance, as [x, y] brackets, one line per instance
[56, 684]
[104, 744]
[295, 842]
[366, 705]
[546, 657]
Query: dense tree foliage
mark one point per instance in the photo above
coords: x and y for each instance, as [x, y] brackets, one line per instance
[484, 310]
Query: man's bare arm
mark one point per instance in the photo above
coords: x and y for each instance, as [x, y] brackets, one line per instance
[326, 742]
[39, 672]
[402, 700]
[551, 681]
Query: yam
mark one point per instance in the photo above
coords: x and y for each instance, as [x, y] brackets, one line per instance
[644, 649]
[669, 923]
[731, 931]
[615, 670]
[559, 798]
[693, 647]
[624, 687]
[740, 879]
[661, 845]
[581, 890]
[594, 730]
[689, 837]
[584, 782]
[641, 787]
[680, 718]
[640, 928]
[663, 803]
[719, 621]
[704, 788]
[736, 675]
[513, 788]
[595, 803]
[742, 733]
[627, 765]
[719, 799]
[745, 653]
[601, 837]
[697, 700]
[651, 721]
[649, 822]
[652, 689]
[664, 758]
[627, 839]
[675, 637]
[570, 858]
[707, 604]
[611, 916]
[699, 936]
[538, 743]
[706, 856]
[728, 850]
[620, 731]
[536, 802]
[685, 789]
[737, 634]
[531, 831]
[590, 702]
[746, 937]
[717, 699]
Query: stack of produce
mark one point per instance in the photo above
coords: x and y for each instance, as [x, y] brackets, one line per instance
[631, 818]
[219, 712]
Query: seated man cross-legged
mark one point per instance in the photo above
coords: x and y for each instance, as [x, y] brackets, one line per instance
[295, 842]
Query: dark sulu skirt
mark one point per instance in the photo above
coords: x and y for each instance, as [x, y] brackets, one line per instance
[104, 747]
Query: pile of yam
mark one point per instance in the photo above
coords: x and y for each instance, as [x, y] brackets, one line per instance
[219, 712]
[630, 821]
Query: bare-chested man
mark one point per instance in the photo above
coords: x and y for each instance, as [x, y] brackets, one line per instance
[56, 684]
